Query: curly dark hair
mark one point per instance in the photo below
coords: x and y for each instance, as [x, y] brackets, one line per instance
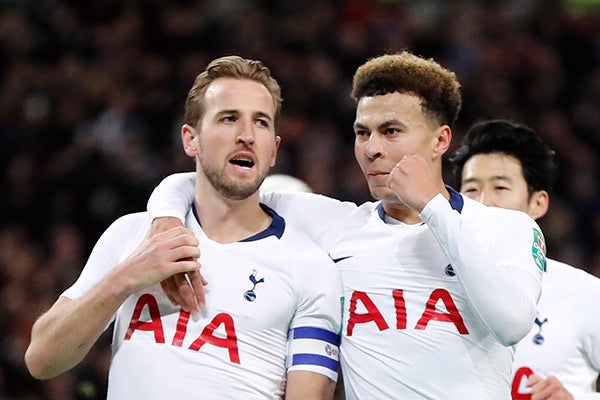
[405, 72]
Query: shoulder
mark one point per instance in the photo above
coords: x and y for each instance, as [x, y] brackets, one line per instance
[295, 241]
[303, 253]
[573, 276]
[132, 222]
[498, 216]
[129, 227]
[307, 202]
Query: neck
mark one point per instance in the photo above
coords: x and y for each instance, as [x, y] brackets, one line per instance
[400, 211]
[225, 220]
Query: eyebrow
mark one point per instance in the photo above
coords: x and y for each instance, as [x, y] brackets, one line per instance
[492, 178]
[237, 114]
[383, 125]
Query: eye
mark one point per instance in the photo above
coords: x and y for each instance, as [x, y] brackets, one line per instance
[263, 122]
[470, 191]
[361, 132]
[229, 118]
[391, 131]
[501, 188]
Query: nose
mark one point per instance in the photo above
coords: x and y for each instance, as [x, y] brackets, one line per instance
[485, 197]
[245, 133]
[374, 146]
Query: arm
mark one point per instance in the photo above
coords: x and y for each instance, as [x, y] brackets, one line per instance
[305, 385]
[501, 279]
[63, 336]
[167, 206]
[313, 343]
[173, 197]
[318, 216]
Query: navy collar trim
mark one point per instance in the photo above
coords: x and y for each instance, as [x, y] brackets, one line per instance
[276, 228]
[456, 202]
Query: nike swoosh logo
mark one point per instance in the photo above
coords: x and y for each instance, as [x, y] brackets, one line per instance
[337, 260]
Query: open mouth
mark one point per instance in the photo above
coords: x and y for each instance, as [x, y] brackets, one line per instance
[242, 162]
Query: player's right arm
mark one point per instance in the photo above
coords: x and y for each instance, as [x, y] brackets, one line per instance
[62, 336]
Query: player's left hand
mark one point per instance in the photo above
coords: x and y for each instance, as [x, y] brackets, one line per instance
[412, 181]
[548, 388]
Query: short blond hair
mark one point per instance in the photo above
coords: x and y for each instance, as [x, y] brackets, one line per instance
[229, 67]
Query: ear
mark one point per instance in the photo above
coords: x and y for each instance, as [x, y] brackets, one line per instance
[538, 204]
[274, 153]
[442, 141]
[188, 138]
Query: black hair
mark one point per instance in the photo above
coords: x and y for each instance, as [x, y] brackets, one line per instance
[513, 139]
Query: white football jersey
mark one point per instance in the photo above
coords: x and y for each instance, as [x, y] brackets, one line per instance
[565, 340]
[261, 290]
[432, 310]
[426, 304]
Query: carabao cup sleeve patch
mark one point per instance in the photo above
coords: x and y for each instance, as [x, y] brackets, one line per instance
[538, 249]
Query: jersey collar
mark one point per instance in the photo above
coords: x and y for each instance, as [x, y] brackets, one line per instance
[275, 229]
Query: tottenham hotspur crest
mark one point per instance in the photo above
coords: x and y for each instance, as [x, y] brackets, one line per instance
[538, 338]
[250, 295]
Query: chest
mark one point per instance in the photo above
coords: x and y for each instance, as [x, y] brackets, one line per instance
[399, 278]
[247, 292]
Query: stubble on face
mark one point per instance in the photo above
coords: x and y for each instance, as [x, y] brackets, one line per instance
[230, 188]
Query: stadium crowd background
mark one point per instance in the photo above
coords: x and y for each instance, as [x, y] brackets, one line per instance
[91, 100]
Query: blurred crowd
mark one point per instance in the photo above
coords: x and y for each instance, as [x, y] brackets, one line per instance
[91, 101]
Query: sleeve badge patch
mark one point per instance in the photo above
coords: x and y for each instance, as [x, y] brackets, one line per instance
[538, 249]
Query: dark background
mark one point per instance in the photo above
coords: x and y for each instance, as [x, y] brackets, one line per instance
[91, 100]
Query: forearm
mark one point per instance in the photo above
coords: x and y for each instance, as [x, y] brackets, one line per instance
[173, 196]
[63, 336]
[504, 296]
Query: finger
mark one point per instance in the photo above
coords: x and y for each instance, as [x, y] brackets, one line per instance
[185, 253]
[186, 294]
[177, 288]
[198, 282]
[533, 380]
[180, 236]
[540, 390]
[542, 393]
[163, 224]
[170, 288]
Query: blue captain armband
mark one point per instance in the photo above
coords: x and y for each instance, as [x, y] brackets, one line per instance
[313, 349]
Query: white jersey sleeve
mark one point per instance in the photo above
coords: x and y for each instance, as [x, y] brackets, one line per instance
[511, 247]
[314, 338]
[322, 218]
[124, 235]
[173, 196]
